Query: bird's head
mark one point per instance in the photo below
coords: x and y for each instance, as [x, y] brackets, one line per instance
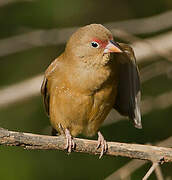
[93, 44]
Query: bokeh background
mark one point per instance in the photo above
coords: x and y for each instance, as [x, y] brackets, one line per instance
[33, 33]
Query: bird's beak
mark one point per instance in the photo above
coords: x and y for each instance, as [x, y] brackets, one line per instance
[112, 47]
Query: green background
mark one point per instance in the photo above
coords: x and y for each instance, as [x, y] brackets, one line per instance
[29, 116]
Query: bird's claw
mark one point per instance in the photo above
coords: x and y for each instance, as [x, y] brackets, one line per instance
[102, 143]
[70, 144]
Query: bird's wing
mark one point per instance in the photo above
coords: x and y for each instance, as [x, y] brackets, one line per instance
[45, 94]
[128, 90]
[44, 88]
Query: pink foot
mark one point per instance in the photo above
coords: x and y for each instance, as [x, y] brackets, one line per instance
[69, 141]
[101, 143]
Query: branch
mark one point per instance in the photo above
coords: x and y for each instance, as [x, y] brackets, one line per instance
[19, 91]
[40, 38]
[158, 173]
[147, 105]
[6, 2]
[33, 141]
[135, 164]
[145, 25]
[153, 167]
[149, 47]
[31, 87]
[148, 44]
[155, 69]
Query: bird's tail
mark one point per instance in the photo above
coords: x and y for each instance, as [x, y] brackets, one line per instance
[137, 118]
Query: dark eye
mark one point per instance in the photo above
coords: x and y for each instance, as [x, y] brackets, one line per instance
[94, 44]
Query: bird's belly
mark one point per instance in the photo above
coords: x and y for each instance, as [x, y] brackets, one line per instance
[103, 102]
[80, 113]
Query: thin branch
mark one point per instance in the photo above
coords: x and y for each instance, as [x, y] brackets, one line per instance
[154, 165]
[31, 87]
[158, 173]
[33, 141]
[168, 178]
[19, 91]
[133, 39]
[34, 39]
[145, 25]
[126, 170]
[149, 48]
[59, 36]
[135, 164]
[160, 102]
[155, 69]
[6, 2]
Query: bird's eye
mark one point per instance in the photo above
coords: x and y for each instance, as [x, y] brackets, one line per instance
[94, 44]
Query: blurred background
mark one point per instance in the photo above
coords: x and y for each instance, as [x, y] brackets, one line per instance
[33, 33]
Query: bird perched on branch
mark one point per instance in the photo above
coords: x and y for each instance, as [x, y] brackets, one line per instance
[93, 75]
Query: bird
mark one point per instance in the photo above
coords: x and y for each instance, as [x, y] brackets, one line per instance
[93, 75]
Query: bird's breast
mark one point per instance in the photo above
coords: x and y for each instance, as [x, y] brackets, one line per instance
[79, 112]
[80, 100]
[89, 80]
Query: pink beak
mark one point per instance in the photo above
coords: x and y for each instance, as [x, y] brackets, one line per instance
[112, 47]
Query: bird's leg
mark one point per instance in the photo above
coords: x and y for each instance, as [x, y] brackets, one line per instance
[70, 144]
[101, 143]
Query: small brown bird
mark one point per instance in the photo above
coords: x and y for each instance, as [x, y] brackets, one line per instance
[93, 75]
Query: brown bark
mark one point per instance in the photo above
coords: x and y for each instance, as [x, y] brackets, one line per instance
[33, 141]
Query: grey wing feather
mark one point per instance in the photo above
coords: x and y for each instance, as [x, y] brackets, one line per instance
[128, 90]
[44, 88]
[45, 94]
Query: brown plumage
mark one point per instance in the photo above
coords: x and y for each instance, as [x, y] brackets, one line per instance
[85, 82]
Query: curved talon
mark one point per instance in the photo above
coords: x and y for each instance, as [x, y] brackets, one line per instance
[70, 144]
[102, 143]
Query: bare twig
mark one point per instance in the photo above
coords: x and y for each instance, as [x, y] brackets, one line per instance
[135, 26]
[169, 178]
[154, 165]
[160, 102]
[150, 47]
[59, 36]
[135, 164]
[126, 170]
[31, 87]
[6, 2]
[145, 25]
[133, 39]
[33, 141]
[158, 173]
[34, 39]
[17, 92]
[147, 48]
[27, 90]
[155, 69]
